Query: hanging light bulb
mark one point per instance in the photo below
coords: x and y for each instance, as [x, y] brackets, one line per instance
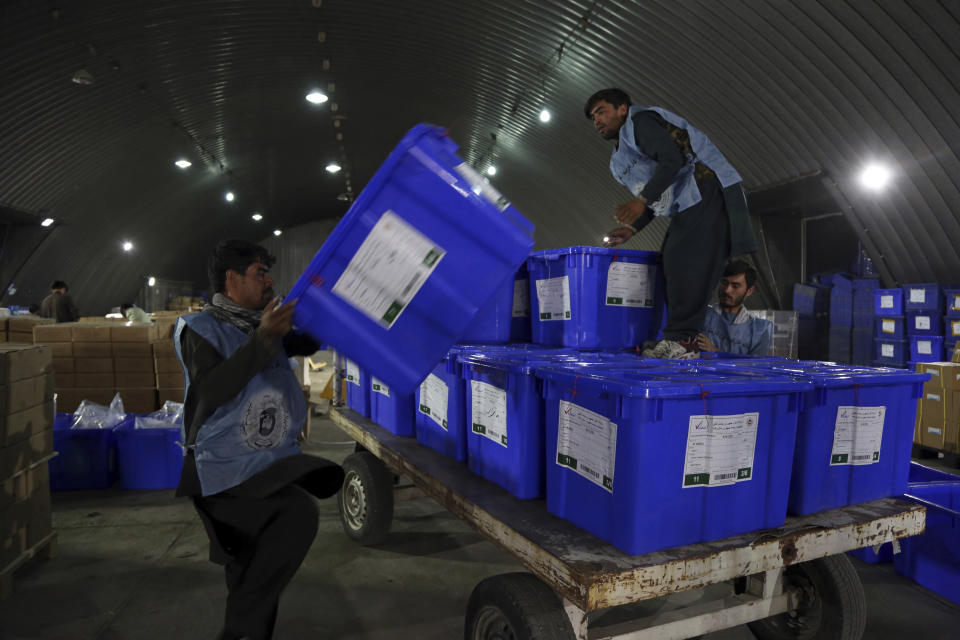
[545, 115]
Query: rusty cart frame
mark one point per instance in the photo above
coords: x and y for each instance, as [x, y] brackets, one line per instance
[781, 578]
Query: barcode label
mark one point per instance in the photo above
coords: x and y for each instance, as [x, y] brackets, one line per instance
[857, 435]
[724, 476]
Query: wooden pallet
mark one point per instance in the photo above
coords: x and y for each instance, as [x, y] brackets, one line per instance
[43, 551]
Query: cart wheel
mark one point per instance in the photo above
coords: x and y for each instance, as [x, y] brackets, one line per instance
[515, 606]
[366, 499]
[832, 604]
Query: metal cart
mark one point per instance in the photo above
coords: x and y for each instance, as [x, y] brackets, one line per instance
[791, 582]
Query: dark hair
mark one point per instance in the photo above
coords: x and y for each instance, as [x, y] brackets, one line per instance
[234, 255]
[124, 307]
[59, 284]
[616, 97]
[34, 308]
[737, 267]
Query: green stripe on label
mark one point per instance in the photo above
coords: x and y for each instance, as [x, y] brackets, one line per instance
[393, 311]
[479, 428]
[614, 300]
[425, 409]
[694, 479]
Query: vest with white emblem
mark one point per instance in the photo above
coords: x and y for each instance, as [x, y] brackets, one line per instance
[255, 428]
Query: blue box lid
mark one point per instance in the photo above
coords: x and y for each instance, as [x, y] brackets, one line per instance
[594, 251]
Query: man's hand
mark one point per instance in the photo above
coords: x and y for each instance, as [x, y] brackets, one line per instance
[617, 236]
[277, 321]
[630, 212]
[705, 344]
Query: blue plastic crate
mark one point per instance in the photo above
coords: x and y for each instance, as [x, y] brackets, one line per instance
[920, 473]
[952, 302]
[888, 302]
[594, 298]
[924, 323]
[841, 306]
[932, 559]
[148, 458]
[358, 388]
[926, 348]
[861, 346]
[951, 329]
[654, 491]
[923, 297]
[520, 322]
[393, 411]
[494, 322]
[441, 419]
[402, 276]
[811, 299]
[86, 458]
[891, 327]
[840, 343]
[855, 433]
[891, 352]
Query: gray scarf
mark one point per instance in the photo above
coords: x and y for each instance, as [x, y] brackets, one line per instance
[226, 310]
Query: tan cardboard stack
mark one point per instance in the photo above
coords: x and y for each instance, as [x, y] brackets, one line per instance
[26, 446]
[185, 303]
[170, 380]
[3, 329]
[939, 417]
[96, 361]
[20, 328]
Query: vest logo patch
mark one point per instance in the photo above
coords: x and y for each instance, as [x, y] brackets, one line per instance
[266, 421]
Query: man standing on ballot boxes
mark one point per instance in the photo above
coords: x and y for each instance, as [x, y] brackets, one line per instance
[252, 487]
[674, 170]
[729, 326]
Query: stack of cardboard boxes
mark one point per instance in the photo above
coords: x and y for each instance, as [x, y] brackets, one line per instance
[170, 380]
[185, 303]
[938, 418]
[19, 329]
[26, 446]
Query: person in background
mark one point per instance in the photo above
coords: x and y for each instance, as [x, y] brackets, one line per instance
[58, 305]
[34, 309]
[252, 487]
[729, 326]
[133, 313]
[673, 169]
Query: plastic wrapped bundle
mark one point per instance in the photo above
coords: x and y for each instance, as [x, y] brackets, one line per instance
[90, 415]
[169, 415]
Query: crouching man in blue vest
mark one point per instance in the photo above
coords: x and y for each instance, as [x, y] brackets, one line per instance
[729, 326]
[251, 485]
[674, 170]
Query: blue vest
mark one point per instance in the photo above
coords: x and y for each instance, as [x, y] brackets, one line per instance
[746, 335]
[253, 430]
[632, 168]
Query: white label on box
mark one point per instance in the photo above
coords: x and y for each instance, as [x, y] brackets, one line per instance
[388, 269]
[935, 430]
[886, 350]
[955, 305]
[553, 297]
[924, 347]
[488, 411]
[587, 444]
[933, 396]
[955, 328]
[918, 295]
[889, 326]
[932, 372]
[379, 387]
[353, 372]
[886, 302]
[720, 450]
[433, 400]
[630, 284]
[481, 186]
[857, 435]
[521, 298]
[921, 322]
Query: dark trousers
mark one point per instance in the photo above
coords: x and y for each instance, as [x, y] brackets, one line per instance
[267, 539]
[694, 252]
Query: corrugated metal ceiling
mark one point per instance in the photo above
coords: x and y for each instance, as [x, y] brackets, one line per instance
[785, 89]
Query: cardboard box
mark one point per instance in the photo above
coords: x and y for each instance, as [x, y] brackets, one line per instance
[176, 395]
[63, 365]
[943, 375]
[30, 483]
[83, 332]
[139, 400]
[93, 365]
[98, 380]
[165, 329]
[47, 333]
[92, 350]
[123, 365]
[170, 380]
[61, 349]
[22, 424]
[64, 381]
[13, 533]
[24, 394]
[24, 453]
[134, 380]
[134, 332]
[26, 323]
[19, 362]
[20, 337]
[131, 349]
[168, 365]
[164, 349]
[940, 419]
[69, 399]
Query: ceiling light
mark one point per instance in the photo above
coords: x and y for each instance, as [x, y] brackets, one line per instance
[315, 97]
[46, 222]
[183, 164]
[277, 232]
[127, 245]
[229, 197]
[875, 177]
[545, 115]
[333, 167]
[152, 281]
[491, 170]
[257, 217]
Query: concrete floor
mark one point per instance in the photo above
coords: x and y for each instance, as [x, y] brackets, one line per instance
[133, 565]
